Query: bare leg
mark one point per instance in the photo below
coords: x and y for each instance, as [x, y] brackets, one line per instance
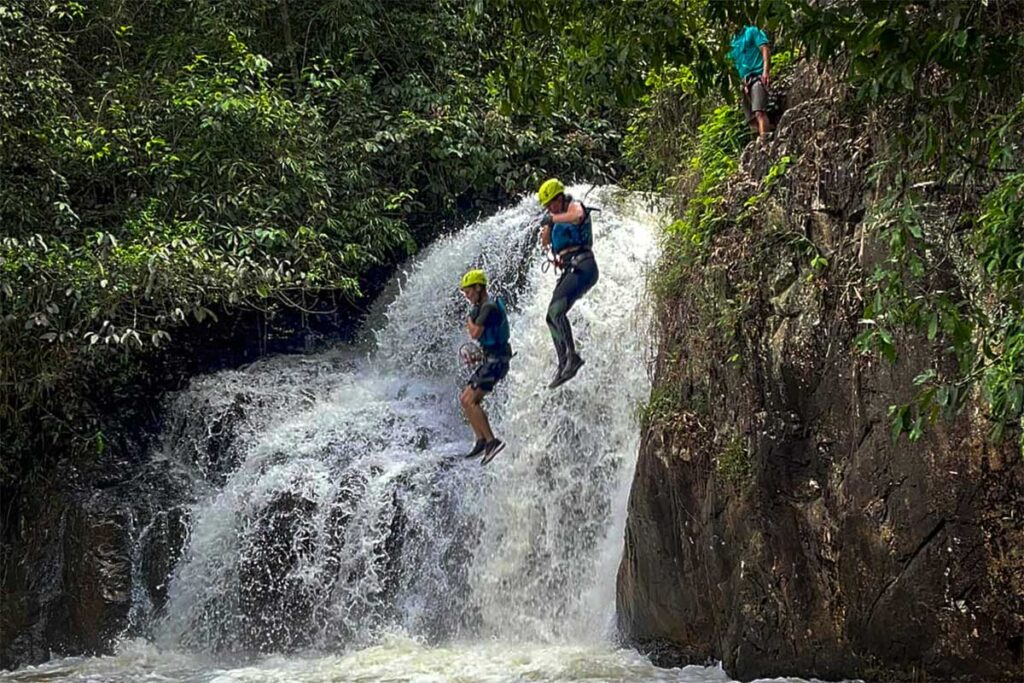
[762, 123]
[470, 400]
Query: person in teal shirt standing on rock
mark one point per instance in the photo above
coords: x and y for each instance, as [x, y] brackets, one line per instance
[752, 56]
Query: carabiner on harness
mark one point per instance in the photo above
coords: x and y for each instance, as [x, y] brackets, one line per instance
[557, 263]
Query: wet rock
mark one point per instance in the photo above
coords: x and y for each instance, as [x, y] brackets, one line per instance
[275, 602]
[97, 572]
[68, 578]
[161, 547]
[70, 543]
[836, 552]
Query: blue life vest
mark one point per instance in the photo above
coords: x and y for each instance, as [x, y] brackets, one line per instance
[566, 235]
[494, 340]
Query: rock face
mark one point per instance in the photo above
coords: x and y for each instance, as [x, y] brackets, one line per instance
[773, 522]
[82, 556]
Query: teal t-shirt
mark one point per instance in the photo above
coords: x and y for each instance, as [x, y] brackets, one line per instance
[746, 51]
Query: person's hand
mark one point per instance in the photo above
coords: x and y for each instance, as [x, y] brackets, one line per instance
[765, 80]
[547, 221]
[471, 354]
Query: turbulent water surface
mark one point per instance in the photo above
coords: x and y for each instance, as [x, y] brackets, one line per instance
[334, 519]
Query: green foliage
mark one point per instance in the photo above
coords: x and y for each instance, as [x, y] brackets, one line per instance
[946, 75]
[657, 135]
[663, 403]
[999, 243]
[982, 332]
[719, 140]
[162, 164]
[593, 53]
[894, 47]
[732, 463]
[951, 70]
[776, 172]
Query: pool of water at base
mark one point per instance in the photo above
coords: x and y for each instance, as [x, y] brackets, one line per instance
[395, 660]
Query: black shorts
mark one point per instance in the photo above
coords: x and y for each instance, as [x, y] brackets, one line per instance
[490, 372]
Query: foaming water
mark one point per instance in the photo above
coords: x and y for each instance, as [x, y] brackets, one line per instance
[335, 516]
[395, 659]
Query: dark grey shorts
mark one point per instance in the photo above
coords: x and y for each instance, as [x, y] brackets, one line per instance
[755, 100]
[490, 372]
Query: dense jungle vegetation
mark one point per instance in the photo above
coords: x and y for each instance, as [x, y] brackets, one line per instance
[166, 166]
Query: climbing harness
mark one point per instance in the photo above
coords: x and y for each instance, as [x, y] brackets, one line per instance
[750, 80]
[551, 262]
[582, 237]
[776, 97]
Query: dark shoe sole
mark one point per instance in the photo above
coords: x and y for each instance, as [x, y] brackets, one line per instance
[569, 373]
[557, 382]
[474, 453]
[491, 453]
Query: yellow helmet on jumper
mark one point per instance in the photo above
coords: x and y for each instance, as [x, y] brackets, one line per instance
[549, 189]
[473, 277]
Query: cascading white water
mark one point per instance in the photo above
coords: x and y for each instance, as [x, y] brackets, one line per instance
[351, 513]
[336, 519]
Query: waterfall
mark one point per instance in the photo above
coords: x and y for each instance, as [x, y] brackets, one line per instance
[333, 506]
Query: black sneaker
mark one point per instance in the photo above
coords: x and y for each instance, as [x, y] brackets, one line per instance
[557, 379]
[493, 448]
[478, 448]
[572, 367]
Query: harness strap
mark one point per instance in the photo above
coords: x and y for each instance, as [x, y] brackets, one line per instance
[750, 80]
[569, 262]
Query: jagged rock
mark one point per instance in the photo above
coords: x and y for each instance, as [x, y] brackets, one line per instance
[97, 572]
[67, 563]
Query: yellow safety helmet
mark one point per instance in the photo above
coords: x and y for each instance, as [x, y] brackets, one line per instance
[473, 277]
[549, 189]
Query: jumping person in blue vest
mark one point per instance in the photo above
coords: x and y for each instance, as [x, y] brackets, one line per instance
[488, 325]
[567, 230]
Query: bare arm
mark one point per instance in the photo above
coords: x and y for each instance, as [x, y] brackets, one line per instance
[475, 324]
[573, 214]
[766, 54]
[545, 236]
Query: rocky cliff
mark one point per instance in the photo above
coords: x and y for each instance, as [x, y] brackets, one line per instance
[774, 523]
